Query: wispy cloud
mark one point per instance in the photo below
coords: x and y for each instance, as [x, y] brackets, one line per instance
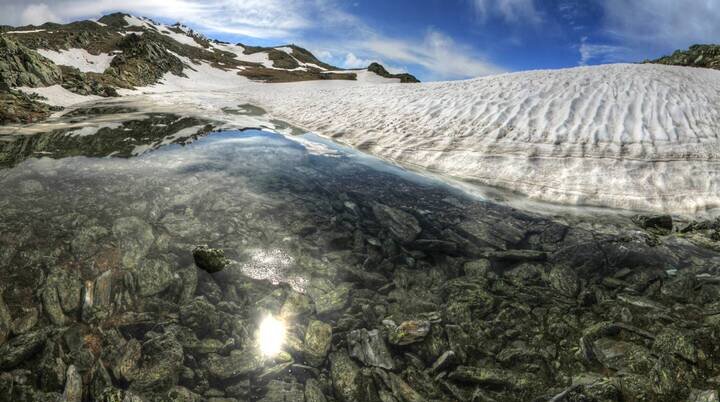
[601, 53]
[437, 52]
[663, 22]
[511, 11]
[352, 61]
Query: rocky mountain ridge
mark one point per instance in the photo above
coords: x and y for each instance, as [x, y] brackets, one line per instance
[705, 56]
[120, 51]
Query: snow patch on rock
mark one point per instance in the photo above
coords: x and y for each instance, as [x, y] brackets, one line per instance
[59, 96]
[80, 59]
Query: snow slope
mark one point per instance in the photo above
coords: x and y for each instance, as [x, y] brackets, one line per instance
[80, 59]
[641, 137]
[630, 136]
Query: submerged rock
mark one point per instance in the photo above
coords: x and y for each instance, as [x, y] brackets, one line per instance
[348, 382]
[154, 276]
[369, 347]
[73, 386]
[409, 332]
[160, 365]
[318, 336]
[5, 321]
[200, 316]
[401, 224]
[21, 348]
[329, 298]
[313, 392]
[704, 396]
[135, 238]
[240, 363]
[654, 222]
[279, 391]
[210, 259]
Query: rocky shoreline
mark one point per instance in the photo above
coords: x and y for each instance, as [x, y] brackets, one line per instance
[433, 297]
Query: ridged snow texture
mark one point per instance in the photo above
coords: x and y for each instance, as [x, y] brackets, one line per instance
[630, 136]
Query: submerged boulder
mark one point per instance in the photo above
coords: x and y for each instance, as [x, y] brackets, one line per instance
[317, 342]
[403, 226]
[208, 259]
[654, 222]
[348, 381]
[409, 332]
[21, 348]
[370, 348]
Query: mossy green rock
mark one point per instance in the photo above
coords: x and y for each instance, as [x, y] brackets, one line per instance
[210, 259]
[317, 342]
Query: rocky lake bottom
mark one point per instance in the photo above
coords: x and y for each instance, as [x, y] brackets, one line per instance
[328, 275]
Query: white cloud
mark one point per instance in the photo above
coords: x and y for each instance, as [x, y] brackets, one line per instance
[510, 10]
[663, 23]
[602, 53]
[352, 61]
[37, 14]
[437, 52]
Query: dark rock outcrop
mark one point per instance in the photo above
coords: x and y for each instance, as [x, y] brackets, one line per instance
[706, 56]
[381, 71]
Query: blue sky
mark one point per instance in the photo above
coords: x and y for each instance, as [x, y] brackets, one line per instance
[433, 39]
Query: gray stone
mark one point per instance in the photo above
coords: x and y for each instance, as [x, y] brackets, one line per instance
[73, 386]
[403, 226]
[703, 396]
[328, 297]
[97, 298]
[296, 305]
[135, 238]
[654, 222]
[21, 348]
[517, 255]
[189, 279]
[240, 363]
[486, 377]
[401, 390]
[369, 347]
[564, 280]
[26, 321]
[409, 332]
[313, 392]
[318, 336]
[153, 276]
[478, 268]
[160, 365]
[5, 321]
[182, 394]
[348, 382]
[51, 305]
[200, 315]
[620, 355]
[52, 368]
[280, 391]
[676, 342]
[61, 294]
[127, 362]
[444, 361]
